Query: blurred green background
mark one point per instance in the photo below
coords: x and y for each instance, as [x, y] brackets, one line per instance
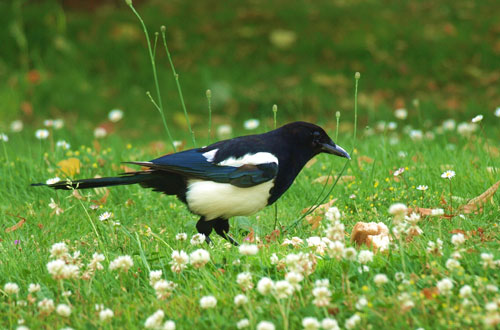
[77, 60]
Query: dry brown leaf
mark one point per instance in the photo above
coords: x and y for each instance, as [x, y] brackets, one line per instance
[77, 195]
[311, 162]
[364, 159]
[317, 215]
[250, 238]
[375, 235]
[477, 203]
[104, 198]
[273, 236]
[329, 179]
[430, 293]
[70, 166]
[16, 226]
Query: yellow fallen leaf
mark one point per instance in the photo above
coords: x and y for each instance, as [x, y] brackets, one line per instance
[70, 166]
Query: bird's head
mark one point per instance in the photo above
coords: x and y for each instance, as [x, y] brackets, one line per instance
[314, 138]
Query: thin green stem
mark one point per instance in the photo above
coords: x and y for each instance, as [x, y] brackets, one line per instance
[155, 75]
[209, 99]
[451, 199]
[176, 76]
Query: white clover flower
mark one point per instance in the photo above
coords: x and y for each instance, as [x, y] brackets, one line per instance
[365, 256]
[41, 134]
[240, 299]
[70, 271]
[115, 115]
[95, 263]
[265, 285]
[155, 276]
[100, 132]
[274, 259]
[330, 324]
[63, 145]
[380, 279]
[401, 113]
[224, 131]
[179, 261]
[105, 216]
[295, 242]
[248, 249]
[492, 319]
[449, 125]
[242, 324]
[48, 122]
[406, 302]
[491, 307]
[197, 239]
[399, 171]
[265, 325]
[335, 249]
[416, 135]
[32, 288]
[168, 325]
[199, 258]
[477, 119]
[422, 187]
[4, 137]
[361, 303]
[164, 289]
[435, 248]
[487, 260]
[335, 231]
[251, 124]
[350, 253]
[445, 286]
[352, 322]
[458, 239]
[497, 112]
[491, 288]
[321, 296]
[294, 279]
[56, 268]
[333, 214]
[391, 126]
[398, 210]
[155, 320]
[466, 129]
[16, 126]
[58, 123]
[283, 289]
[465, 291]
[310, 323]
[46, 305]
[53, 180]
[437, 212]
[123, 263]
[399, 276]
[181, 236]
[11, 288]
[208, 302]
[244, 280]
[63, 310]
[452, 264]
[448, 174]
[106, 314]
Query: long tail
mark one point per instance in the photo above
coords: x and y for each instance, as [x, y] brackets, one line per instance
[125, 179]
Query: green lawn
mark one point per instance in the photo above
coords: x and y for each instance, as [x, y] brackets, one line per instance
[82, 64]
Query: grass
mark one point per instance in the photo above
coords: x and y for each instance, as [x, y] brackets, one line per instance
[149, 222]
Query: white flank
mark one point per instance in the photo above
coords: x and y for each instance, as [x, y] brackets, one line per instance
[250, 159]
[211, 199]
[209, 155]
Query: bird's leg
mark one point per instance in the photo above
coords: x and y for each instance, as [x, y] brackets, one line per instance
[221, 227]
[205, 227]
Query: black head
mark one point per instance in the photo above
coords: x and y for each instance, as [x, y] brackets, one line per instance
[314, 138]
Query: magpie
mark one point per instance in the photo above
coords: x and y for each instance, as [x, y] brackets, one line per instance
[235, 177]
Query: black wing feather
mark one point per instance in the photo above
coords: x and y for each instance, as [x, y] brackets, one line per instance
[192, 163]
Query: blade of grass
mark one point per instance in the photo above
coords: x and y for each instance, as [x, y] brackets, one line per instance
[176, 77]
[159, 107]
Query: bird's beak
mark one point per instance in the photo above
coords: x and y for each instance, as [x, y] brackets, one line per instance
[332, 148]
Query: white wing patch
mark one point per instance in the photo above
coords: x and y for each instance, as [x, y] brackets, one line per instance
[250, 159]
[212, 200]
[209, 155]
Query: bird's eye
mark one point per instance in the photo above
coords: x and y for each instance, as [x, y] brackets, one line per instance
[316, 134]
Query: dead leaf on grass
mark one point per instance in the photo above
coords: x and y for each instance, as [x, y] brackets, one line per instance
[16, 226]
[330, 179]
[476, 204]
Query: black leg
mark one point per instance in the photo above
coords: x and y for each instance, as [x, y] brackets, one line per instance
[205, 228]
[221, 227]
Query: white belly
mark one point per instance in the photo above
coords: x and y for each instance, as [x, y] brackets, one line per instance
[211, 199]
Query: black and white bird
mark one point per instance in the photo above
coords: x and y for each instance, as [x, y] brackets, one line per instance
[235, 177]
